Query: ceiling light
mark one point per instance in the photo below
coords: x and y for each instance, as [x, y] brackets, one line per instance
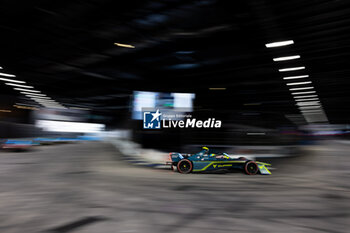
[300, 100]
[292, 69]
[11, 80]
[5, 110]
[298, 83]
[301, 88]
[24, 104]
[305, 96]
[17, 85]
[43, 100]
[310, 107]
[279, 44]
[304, 92]
[296, 77]
[21, 89]
[125, 45]
[286, 58]
[257, 133]
[312, 111]
[28, 105]
[38, 97]
[29, 93]
[308, 103]
[52, 105]
[25, 107]
[7, 75]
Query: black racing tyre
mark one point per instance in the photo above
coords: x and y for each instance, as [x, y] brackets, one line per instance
[184, 166]
[251, 168]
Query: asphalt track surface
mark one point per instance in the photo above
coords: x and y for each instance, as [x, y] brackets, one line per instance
[86, 187]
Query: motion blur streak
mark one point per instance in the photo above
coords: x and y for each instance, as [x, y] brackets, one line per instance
[125, 45]
[169, 116]
[61, 126]
[88, 181]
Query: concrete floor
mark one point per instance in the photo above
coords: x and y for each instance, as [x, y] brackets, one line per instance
[86, 188]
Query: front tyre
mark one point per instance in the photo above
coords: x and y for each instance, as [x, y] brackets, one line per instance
[251, 168]
[184, 166]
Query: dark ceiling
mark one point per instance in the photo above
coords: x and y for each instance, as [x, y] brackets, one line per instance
[66, 49]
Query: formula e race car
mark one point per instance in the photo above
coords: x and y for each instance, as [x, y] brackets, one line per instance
[204, 161]
[16, 145]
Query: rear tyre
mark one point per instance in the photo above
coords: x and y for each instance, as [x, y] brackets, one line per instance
[251, 168]
[184, 166]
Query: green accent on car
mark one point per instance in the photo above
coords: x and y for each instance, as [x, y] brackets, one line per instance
[214, 162]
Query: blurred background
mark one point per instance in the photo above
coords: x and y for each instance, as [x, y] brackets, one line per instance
[76, 75]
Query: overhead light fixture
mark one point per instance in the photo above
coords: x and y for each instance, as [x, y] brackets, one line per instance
[279, 44]
[5, 110]
[298, 83]
[292, 69]
[28, 105]
[301, 100]
[11, 80]
[257, 133]
[38, 97]
[310, 107]
[286, 58]
[49, 103]
[296, 77]
[0, 68]
[21, 89]
[29, 93]
[217, 88]
[7, 75]
[125, 45]
[304, 92]
[305, 96]
[53, 106]
[18, 85]
[43, 100]
[49, 99]
[312, 111]
[308, 103]
[25, 107]
[301, 88]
